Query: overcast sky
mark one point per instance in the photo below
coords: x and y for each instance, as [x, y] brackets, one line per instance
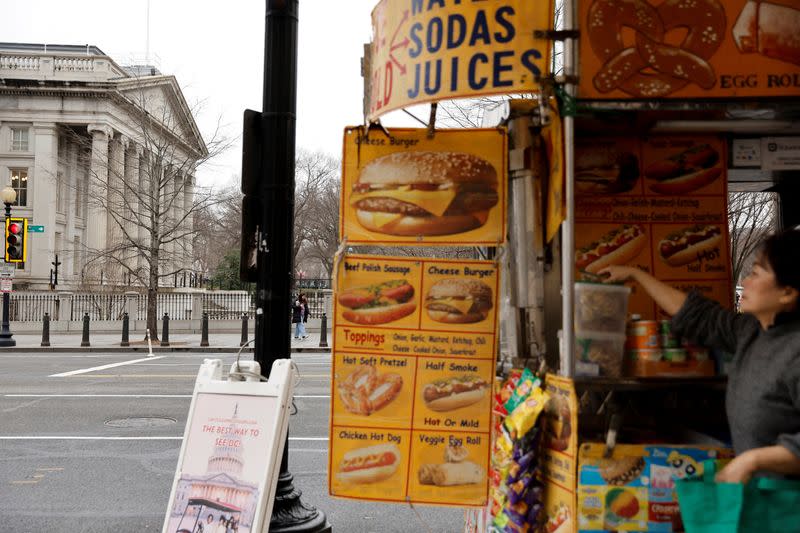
[215, 49]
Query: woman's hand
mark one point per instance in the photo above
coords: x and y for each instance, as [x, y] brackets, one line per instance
[617, 273]
[740, 470]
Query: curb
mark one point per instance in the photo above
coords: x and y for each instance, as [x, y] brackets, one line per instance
[156, 349]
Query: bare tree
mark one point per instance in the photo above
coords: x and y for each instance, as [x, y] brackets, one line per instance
[142, 195]
[216, 225]
[316, 207]
[751, 215]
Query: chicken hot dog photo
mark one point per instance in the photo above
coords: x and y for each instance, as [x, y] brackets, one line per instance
[454, 392]
[369, 464]
[690, 244]
[617, 247]
[685, 171]
[378, 303]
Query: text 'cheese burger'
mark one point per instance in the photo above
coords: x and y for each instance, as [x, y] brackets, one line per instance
[425, 193]
[458, 301]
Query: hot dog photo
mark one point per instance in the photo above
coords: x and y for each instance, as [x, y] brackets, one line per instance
[451, 393]
[377, 303]
[369, 464]
[616, 247]
[684, 170]
[690, 244]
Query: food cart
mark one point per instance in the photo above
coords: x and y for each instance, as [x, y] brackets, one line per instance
[648, 159]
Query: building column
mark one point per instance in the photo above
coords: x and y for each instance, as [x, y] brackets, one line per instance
[188, 203]
[42, 187]
[96, 223]
[115, 207]
[140, 178]
[180, 249]
[130, 201]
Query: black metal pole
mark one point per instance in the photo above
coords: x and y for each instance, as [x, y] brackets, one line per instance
[323, 332]
[165, 331]
[204, 330]
[85, 339]
[6, 339]
[46, 330]
[272, 339]
[125, 330]
[244, 330]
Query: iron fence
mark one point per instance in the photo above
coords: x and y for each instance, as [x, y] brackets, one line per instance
[30, 306]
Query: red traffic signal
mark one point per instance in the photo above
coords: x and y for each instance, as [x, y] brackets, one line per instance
[15, 240]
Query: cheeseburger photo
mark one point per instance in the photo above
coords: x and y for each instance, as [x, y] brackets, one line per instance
[378, 303]
[424, 193]
[458, 301]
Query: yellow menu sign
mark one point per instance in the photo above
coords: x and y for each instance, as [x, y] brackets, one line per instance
[658, 204]
[425, 51]
[413, 364]
[405, 187]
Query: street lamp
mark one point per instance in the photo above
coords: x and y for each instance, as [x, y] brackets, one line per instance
[9, 196]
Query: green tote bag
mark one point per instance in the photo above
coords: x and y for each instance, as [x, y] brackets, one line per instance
[763, 505]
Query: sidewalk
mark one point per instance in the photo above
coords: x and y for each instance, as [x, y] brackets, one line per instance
[178, 342]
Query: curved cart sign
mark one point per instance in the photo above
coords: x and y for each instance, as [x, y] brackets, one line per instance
[678, 49]
[430, 50]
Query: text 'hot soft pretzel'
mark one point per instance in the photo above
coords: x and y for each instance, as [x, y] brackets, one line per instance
[652, 68]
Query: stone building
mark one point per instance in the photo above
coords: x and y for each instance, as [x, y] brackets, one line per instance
[82, 140]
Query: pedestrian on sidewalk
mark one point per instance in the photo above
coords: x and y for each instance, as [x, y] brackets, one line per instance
[306, 313]
[763, 394]
[297, 317]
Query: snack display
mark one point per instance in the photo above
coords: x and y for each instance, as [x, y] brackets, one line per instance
[458, 301]
[616, 247]
[424, 193]
[364, 391]
[369, 465]
[379, 303]
[601, 307]
[454, 393]
[688, 245]
[666, 355]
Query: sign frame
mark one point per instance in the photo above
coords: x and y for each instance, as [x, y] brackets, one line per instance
[275, 394]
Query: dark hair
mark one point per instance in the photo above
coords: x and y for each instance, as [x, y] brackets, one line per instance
[782, 252]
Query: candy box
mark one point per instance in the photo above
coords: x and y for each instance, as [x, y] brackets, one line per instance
[634, 488]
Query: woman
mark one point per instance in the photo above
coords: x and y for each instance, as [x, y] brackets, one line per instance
[297, 316]
[763, 395]
[306, 313]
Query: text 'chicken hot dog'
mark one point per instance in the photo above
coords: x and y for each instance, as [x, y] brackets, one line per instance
[616, 247]
[379, 303]
[369, 465]
[689, 244]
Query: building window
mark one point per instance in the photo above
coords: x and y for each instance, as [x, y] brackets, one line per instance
[19, 139]
[19, 182]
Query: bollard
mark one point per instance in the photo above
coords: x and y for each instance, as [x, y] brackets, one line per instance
[244, 330]
[85, 339]
[204, 330]
[125, 328]
[323, 332]
[165, 331]
[46, 330]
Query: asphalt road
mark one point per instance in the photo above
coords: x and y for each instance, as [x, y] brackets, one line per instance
[70, 460]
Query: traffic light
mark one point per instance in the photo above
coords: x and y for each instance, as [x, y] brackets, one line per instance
[252, 203]
[16, 228]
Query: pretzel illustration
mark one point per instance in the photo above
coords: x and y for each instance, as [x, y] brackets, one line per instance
[365, 391]
[652, 68]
